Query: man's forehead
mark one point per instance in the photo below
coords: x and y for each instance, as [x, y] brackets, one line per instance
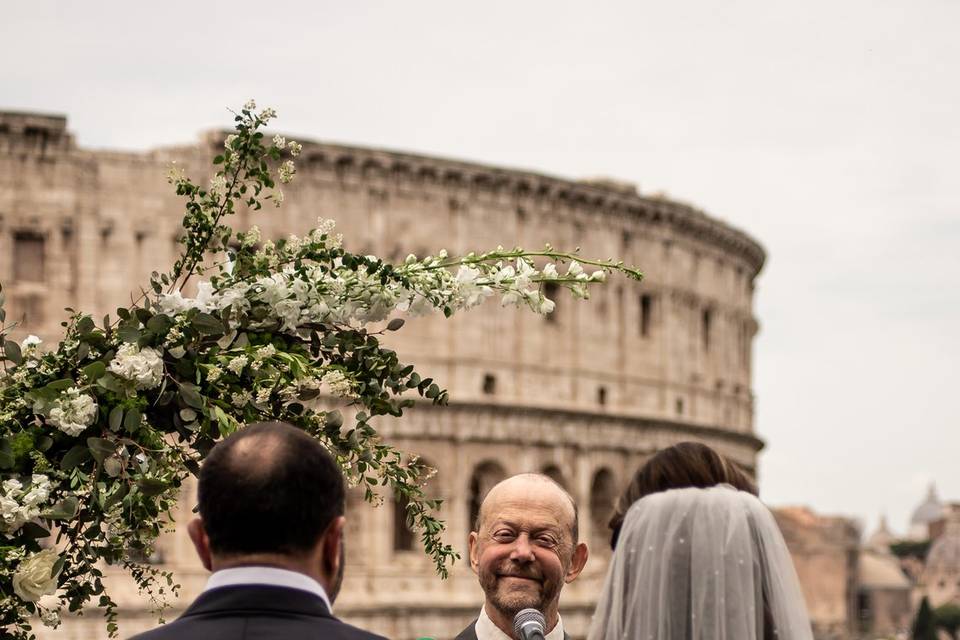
[524, 498]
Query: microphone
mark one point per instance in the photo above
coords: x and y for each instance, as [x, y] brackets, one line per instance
[529, 624]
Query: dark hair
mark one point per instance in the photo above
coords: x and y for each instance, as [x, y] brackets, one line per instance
[687, 464]
[268, 488]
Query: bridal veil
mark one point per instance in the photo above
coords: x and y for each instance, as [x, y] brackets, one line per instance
[700, 564]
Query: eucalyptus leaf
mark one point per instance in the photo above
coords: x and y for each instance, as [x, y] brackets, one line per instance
[395, 324]
[207, 324]
[131, 421]
[74, 457]
[6, 454]
[94, 370]
[11, 351]
[116, 418]
[191, 396]
[100, 448]
[33, 530]
[66, 509]
[152, 486]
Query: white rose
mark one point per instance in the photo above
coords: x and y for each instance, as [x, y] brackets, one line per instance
[50, 618]
[35, 577]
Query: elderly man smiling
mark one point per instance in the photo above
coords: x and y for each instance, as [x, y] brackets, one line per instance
[524, 549]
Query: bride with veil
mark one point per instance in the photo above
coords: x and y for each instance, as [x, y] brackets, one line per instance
[700, 564]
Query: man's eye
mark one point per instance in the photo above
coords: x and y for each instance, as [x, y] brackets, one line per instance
[503, 536]
[546, 541]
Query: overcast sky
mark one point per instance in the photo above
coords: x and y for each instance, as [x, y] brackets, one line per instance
[830, 131]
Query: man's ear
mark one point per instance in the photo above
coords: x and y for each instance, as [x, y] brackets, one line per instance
[330, 544]
[580, 554]
[201, 542]
[474, 552]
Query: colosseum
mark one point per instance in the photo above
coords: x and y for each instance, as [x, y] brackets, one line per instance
[584, 395]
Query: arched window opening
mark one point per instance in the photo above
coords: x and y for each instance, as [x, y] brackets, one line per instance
[403, 534]
[484, 477]
[554, 472]
[603, 493]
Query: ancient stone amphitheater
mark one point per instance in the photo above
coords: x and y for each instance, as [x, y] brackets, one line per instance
[584, 395]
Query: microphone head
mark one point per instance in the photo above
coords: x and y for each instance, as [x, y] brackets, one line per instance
[526, 620]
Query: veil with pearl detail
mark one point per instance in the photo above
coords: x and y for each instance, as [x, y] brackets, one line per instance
[700, 564]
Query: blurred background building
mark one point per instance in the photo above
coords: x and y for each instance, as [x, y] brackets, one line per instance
[584, 395]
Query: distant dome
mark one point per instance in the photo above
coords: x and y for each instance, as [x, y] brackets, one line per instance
[929, 511]
[880, 571]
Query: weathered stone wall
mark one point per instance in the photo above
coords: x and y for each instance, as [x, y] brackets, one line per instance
[586, 394]
[825, 553]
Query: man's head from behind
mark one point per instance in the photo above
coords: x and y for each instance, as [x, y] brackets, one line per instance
[524, 547]
[270, 494]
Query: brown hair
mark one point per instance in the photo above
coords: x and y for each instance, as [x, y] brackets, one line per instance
[687, 464]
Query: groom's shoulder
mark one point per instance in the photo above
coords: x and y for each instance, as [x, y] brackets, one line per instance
[239, 627]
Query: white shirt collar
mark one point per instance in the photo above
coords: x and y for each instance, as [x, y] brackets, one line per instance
[487, 630]
[267, 576]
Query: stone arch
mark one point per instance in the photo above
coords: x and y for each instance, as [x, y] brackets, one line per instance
[555, 473]
[405, 536]
[485, 475]
[603, 493]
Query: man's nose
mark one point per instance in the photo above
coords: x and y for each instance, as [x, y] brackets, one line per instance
[522, 549]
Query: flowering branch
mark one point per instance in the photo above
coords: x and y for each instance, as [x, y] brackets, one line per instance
[98, 434]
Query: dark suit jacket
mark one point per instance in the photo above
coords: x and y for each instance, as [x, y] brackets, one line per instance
[256, 612]
[470, 633]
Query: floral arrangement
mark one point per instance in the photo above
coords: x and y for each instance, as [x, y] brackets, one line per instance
[98, 433]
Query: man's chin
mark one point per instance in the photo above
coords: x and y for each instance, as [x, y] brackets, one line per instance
[511, 599]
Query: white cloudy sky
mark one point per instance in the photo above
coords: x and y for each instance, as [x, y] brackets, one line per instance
[828, 130]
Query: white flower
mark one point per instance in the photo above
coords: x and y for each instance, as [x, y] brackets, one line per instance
[35, 577]
[228, 143]
[286, 171]
[39, 491]
[30, 342]
[11, 515]
[279, 141]
[214, 373]
[550, 271]
[175, 174]
[278, 197]
[241, 399]
[218, 184]
[238, 364]
[251, 237]
[268, 114]
[250, 105]
[265, 352]
[575, 269]
[50, 618]
[263, 395]
[72, 412]
[338, 383]
[143, 367]
[295, 148]
[598, 276]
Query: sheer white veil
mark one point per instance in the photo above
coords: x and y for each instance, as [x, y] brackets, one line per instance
[700, 564]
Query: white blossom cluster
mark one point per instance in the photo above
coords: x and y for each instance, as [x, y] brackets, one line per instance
[143, 367]
[72, 412]
[332, 293]
[338, 384]
[19, 505]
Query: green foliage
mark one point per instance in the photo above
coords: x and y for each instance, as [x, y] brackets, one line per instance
[910, 548]
[947, 617]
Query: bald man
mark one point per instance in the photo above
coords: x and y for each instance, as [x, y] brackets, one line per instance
[271, 531]
[523, 549]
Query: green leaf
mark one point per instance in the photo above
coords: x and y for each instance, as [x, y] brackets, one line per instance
[116, 418]
[208, 324]
[60, 385]
[159, 323]
[66, 509]
[33, 530]
[131, 422]
[334, 420]
[94, 370]
[85, 325]
[44, 443]
[74, 457]
[101, 448]
[191, 396]
[11, 351]
[433, 391]
[395, 324]
[152, 486]
[129, 331]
